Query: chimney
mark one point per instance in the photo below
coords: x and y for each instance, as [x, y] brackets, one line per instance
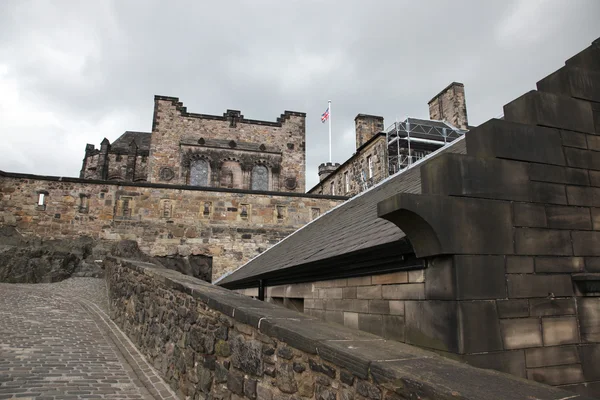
[366, 127]
[450, 105]
[326, 169]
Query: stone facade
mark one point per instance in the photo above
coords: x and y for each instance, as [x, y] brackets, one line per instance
[450, 105]
[208, 342]
[226, 151]
[230, 225]
[361, 171]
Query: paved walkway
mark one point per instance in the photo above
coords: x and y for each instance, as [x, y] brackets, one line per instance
[57, 342]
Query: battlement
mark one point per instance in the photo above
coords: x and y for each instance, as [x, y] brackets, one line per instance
[230, 115]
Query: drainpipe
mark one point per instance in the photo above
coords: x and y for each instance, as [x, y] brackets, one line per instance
[261, 290]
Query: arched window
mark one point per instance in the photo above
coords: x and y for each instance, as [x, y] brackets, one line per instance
[199, 173]
[260, 178]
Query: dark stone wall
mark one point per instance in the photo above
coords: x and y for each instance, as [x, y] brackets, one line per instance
[208, 342]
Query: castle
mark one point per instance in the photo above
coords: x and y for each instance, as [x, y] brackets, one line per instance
[221, 187]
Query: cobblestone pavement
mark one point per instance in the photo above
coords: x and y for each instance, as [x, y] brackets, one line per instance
[57, 342]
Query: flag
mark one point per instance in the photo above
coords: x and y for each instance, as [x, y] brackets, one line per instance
[325, 115]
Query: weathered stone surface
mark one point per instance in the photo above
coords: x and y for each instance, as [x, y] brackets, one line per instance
[549, 356]
[529, 215]
[512, 308]
[247, 355]
[250, 388]
[523, 286]
[548, 307]
[590, 354]
[521, 333]
[367, 390]
[542, 242]
[589, 318]
[235, 382]
[286, 381]
[558, 375]
[519, 265]
[559, 264]
[559, 330]
[511, 362]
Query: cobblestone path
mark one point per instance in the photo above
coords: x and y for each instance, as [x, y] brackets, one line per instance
[57, 342]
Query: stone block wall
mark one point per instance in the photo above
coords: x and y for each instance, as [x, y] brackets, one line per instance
[373, 153]
[231, 226]
[279, 145]
[367, 126]
[208, 342]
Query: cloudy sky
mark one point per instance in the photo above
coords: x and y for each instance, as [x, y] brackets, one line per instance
[74, 72]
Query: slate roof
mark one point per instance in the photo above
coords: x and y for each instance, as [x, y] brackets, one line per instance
[350, 227]
[142, 139]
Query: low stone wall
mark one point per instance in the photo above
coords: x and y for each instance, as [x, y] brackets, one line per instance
[231, 226]
[207, 341]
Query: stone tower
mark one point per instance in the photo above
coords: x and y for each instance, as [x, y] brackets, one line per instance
[366, 127]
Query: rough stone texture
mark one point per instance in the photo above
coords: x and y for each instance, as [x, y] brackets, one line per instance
[450, 105]
[374, 150]
[158, 308]
[199, 223]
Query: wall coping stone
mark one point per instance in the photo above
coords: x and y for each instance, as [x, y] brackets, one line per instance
[393, 365]
[17, 175]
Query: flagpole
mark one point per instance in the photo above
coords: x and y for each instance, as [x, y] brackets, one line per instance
[329, 107]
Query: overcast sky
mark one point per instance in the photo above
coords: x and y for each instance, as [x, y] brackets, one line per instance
[74, 72]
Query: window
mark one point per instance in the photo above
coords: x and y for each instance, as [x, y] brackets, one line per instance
[370, 165]
[206, 208]
[244, 210]
[332, 186]
[315, 212]
[84, 203]
[199, 173]
[347, 181]
[280, 212]
[167, 209]
[260, 178]
[42, 199]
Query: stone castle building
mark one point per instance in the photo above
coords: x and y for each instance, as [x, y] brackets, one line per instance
[224, 187]
[202, 150]
[381, 152]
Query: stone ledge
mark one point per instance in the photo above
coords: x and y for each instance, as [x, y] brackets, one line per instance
[407, 370]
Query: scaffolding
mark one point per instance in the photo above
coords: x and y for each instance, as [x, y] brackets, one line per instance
[412, 139]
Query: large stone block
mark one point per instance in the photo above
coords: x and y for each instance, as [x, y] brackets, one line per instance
[589, 318]
[549, 193]
[521, 333]
[586, 243]
[513, 308]
[371, 323]
[575, 82]
[451, 225]
[479, 277]
[519, 265]
[394, 277]
[559, 330]
[511, 362]
[368, 292]
[393, 327]
[524, 286]
[509, 140]
[545, 109]
[460, 175]
[590, 354]
[551, 307]
[440, 282]
[479, 327]
[407, 291]
[573, 139]
[568, 217]
[539, 242]
[580, 158]
[550, 356]
[558, 375]
[432, 324]
[583, 196]
[559, 264]
[557, 174]
[529, 215]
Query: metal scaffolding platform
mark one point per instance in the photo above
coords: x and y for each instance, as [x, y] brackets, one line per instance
[412, 139]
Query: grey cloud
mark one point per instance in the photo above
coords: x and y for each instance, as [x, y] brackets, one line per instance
[95, 66]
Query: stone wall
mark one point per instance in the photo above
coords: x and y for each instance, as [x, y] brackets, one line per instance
[208, 342]
[374, 154]
[231, 226]
[367, 126]
[178, 136]
[450, 105]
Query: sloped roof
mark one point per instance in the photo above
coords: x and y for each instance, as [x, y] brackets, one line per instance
[142, 139]
[348, 228]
